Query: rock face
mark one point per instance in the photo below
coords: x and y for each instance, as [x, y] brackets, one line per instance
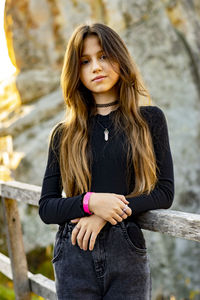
[34, 46]
[163, 38]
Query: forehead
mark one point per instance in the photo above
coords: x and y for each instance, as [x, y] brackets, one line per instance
[91, 45]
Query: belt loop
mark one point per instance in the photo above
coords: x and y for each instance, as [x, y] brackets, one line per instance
[70, 226]
[65, 230]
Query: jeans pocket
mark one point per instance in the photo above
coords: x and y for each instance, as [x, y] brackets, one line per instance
[134, 237]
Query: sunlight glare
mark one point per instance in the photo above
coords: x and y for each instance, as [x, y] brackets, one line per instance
[7, 68]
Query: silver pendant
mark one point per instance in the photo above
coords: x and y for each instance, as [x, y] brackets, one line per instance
[106, 132]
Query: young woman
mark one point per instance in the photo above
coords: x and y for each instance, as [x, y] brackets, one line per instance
[112, 157]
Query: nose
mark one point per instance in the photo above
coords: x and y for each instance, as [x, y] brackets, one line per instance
[96, 66]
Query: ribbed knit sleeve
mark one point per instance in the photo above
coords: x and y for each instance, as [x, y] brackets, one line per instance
[53, 208]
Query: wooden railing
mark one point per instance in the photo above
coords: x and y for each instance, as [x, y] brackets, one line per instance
[174, 223]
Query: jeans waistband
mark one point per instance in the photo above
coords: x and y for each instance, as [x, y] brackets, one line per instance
[68, 226]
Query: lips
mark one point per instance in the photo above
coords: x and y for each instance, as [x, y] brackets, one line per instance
[98, 77]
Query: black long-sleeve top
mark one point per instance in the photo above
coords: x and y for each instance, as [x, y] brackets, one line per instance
[109, 171]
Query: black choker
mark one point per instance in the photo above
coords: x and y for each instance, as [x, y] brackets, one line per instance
[107, 104]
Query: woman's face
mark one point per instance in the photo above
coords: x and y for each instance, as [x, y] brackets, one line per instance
[93, 64]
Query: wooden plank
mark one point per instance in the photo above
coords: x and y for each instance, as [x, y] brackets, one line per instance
[42, 286]
[16, 249]
[22, 192]
[39, 284]
[5, 266]
[175, 223]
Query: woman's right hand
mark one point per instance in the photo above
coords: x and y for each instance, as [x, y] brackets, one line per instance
[109, 206]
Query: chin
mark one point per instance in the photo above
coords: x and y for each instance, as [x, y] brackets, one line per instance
[101, 90]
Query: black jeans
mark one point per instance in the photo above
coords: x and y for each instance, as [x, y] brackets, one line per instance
[117, 268]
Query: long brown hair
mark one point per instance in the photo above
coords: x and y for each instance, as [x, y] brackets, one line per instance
[80, 105]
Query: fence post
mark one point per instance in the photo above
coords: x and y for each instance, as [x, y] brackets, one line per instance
[16, 249]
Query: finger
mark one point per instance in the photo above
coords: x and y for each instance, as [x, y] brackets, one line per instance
[122, 198]
[80, 237]
[74, 235]
[112, 221]
[85, 240]
[92, 241]
[117, 217]
[123, 202]
[75, 220]
[123, 214]
[128, 210]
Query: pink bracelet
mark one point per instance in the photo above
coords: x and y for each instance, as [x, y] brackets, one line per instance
[86, 199]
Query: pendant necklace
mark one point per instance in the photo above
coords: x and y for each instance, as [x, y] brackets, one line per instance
[106, 132]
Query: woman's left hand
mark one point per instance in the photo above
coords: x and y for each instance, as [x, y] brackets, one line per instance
[89, 229]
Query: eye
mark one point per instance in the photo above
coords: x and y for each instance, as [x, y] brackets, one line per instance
[84, 62]
[103, 56]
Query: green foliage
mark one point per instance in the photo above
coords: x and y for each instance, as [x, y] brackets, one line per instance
[6, 293]
[39, 261]
[7, 290]
[193, 295]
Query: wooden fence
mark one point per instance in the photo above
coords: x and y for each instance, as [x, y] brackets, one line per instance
[174, 223]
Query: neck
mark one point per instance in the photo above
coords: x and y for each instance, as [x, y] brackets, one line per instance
[106, 110]
[106, 98]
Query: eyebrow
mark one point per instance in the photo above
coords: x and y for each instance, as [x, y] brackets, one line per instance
[89, 55]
